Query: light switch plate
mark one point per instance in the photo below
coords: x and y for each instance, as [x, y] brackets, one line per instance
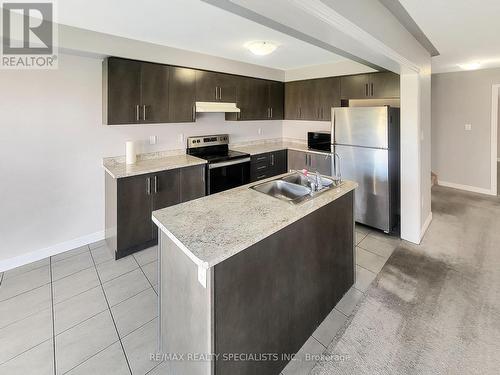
[468, 127]
[153, 139]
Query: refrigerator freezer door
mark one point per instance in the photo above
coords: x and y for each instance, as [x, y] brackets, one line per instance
[369, 168]
[362, 126]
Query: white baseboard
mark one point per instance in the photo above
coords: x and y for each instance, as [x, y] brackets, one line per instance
[472, 189]
[425, 226]
[33, 256]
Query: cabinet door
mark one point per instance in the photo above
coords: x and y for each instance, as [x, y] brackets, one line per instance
[278, 162]
[354, 87]
[320, 163]
[227, 84]
[292, 100]
[253, 99]
[309, 100]
[134, 206]
[192, 183]
[215, 87]
[297, 160]
[123, 91]
[329, 91]
[206, 86]
[384, 85]
[154, 93]
[166, 189]
[182, 95]
[276, 99]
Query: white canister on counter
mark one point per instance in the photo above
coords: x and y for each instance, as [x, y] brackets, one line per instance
[130, 154]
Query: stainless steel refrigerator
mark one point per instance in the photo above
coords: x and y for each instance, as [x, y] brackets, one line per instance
[367, 140]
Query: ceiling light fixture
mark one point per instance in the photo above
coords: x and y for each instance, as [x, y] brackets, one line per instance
[261, 47]
[470, 66]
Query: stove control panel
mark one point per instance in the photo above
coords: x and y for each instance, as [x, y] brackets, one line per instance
[208, 140]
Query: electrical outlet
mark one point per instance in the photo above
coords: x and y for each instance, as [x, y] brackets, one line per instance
[260, 131]
[181, 138]
[153, 139]
[468, 127]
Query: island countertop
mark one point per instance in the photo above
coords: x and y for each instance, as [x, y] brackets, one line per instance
[211, 229]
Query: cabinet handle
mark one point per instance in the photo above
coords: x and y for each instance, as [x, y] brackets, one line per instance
[272, 159]
[261, 177]
[156, 184]
[371, 84]
[261, 158]
[193, 115]
[148, 186]
[220, 93]
[366, 89]
[322, 117]
[300, 112]
[144, 112]
[216, 93]
[261, 167]
[137, 112]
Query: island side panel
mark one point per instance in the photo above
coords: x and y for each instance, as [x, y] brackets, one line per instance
[185, 310]
[271, 297]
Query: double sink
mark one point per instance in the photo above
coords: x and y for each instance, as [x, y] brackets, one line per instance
[296, 187]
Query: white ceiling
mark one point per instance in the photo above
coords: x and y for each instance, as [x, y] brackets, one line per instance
[463, 31]
[191, 25]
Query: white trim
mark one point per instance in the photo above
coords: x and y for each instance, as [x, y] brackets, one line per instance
[425, 226]
[498, 160]
[495, 89]
[326, 14]
[473, 189]
[33, 256]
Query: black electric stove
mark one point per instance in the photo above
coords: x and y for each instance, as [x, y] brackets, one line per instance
[226, 169]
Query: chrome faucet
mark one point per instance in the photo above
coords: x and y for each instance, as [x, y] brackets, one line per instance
[319, 182]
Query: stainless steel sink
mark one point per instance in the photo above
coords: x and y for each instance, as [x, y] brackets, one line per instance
[294, 188]
[283, 190]
[300, 179]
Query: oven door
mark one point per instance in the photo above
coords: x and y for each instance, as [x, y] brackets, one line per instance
[227, 175]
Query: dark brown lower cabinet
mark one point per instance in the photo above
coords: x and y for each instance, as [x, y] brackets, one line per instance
[271, 297]
[267, 165]
[131, 200]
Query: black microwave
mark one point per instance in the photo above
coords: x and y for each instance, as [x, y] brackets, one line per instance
[320, 140]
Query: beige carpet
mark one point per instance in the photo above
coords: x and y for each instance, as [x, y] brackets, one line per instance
[433, 309]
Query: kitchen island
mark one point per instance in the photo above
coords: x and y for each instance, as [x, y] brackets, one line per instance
[245, 278]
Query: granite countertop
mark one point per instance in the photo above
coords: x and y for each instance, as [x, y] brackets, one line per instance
[118, 169]
[263, 147]
[216, 227]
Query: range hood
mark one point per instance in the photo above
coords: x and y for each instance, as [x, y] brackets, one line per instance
[216, 107]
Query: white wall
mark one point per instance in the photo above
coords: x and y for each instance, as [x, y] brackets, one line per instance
[299, 129]
[52, 142]
[340, 68]
[460, 157]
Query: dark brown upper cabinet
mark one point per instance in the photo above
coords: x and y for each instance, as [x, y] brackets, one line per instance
[383, 85]
[311, 99]
[122, 91]
[276, 100]
[258, 99]
[182, 95]
[154, 93]
[252, 99]
[215, 87]
[135, 92]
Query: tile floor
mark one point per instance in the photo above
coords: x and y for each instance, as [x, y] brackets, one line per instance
[82, 312]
